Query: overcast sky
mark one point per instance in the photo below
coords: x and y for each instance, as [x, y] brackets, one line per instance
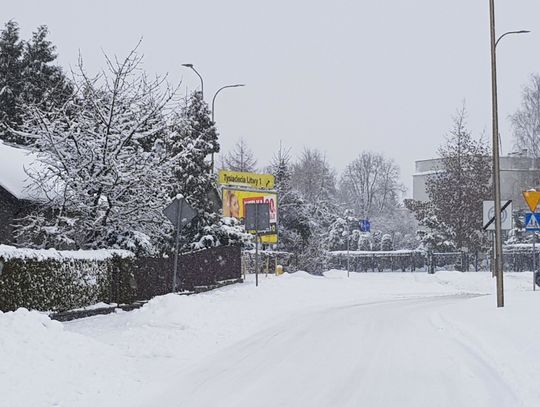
[340, 76]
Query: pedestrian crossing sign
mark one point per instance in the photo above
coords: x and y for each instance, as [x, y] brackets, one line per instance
[532, 222]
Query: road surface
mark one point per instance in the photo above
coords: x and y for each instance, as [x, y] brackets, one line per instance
[386, 353]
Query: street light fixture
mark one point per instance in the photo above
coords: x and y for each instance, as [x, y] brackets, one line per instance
[219, 90]
[213, 102]
[190, 66]
[496, 158]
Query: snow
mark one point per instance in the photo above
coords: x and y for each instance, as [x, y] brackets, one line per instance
[11, 252]
[407, 339]
[14, 162]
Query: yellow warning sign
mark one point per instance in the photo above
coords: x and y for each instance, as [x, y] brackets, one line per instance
[532, 198]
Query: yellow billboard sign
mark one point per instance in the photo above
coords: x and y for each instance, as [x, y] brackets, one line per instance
[246, 179]
[234, 201]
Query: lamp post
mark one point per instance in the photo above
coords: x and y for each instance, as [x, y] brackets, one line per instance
[219, 90]
[198, 74]
[496, 158]
[213, 103]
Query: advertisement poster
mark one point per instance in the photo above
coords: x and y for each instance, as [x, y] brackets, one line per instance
[233, 206]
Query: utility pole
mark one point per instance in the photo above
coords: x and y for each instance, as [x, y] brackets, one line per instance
[498, 255]
[496, 161]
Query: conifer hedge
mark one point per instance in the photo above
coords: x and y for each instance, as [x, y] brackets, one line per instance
[56, 281]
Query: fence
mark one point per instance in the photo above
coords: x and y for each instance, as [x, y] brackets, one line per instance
[205, 268]
[267, 260]
[515, 258]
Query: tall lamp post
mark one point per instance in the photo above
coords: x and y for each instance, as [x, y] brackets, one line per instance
[214, 101]
[198, 74]
[496, 158]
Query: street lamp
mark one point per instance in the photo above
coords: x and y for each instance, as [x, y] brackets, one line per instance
[198, 74]
[219, 90]
[496, 158]
[214, 101]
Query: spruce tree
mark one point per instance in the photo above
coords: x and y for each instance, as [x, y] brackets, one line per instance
[457, 189]
[44, 84]
[11, 49]
[28, 78]
[195, 138]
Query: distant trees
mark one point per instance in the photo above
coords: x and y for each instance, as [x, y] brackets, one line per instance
[453, 215]
[27, 78]
[240, 158]
[526, 121]
[313, 177]
[370, 185]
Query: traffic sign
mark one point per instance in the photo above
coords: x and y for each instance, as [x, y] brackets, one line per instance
[532, 222]
[364, 224]
[489, 215]
[532, 198]
[179, 212]
[258, 217]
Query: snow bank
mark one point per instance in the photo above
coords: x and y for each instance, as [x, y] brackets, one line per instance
[10, 252]
[44, 365]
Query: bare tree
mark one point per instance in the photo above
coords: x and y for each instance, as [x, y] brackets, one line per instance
[241, 158]
[370, 185]
[313, 177]
[526, 121]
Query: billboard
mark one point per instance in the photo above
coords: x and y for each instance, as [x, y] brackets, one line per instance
[234, 201]
[249, 180]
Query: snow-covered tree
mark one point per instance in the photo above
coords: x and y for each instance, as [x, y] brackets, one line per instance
[194, 139]
[387, 243]
[526, 121]
[100, 187]
[295, 225]
[364, 243]
[370, 185]
[240, 158]
[11, 49]
[313, 177]
[456, 191]
[44, 84]
[27, 78]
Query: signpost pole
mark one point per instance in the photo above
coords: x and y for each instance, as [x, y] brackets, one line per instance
[177, 244]
[256, 245]
[534, 261]
[348, 251]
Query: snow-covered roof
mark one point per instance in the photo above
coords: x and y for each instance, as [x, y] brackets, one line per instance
[14, 162]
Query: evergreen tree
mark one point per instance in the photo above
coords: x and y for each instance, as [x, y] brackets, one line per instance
[11, 49]
[44, 84]
[27, 78]
[387, 243]
[194, 139]
[295, 226]
[457, 190]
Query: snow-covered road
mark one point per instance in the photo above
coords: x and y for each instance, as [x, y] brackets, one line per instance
[374, 339]
[381, 353]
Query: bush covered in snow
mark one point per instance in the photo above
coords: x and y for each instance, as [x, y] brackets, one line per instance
[50, 280]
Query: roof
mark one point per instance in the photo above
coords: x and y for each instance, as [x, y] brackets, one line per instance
[14, 162]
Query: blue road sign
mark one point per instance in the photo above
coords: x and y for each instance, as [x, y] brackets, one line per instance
[365, 226]
[532, 222]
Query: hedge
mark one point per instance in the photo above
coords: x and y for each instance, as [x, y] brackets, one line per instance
[50, 280]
